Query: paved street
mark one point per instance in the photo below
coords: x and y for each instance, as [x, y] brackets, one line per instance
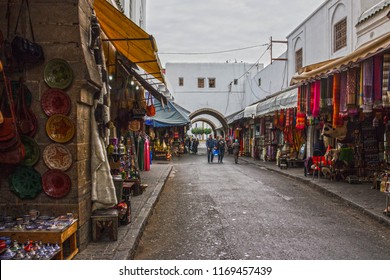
[229, 211]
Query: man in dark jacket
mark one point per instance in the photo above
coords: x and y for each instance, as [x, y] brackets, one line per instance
[221, 145]
[210, 144]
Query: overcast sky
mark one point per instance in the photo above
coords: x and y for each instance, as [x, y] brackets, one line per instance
[188, 26]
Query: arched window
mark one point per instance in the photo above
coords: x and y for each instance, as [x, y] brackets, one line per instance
[339, 28]
[298, 54]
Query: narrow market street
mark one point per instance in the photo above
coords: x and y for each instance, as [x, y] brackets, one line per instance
[229, 211]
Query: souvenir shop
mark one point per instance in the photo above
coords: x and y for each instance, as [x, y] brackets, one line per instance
[345, 108]
[167, 130]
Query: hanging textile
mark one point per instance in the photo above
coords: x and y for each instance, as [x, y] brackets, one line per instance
[329, 93]
[377, 80]
[343, 111]
[316, 98]
[311, 94]
[323, 94]
[360, 96]
[386, 81]
[336, 100]
[351, 87]
[368, 72]
[147, 155]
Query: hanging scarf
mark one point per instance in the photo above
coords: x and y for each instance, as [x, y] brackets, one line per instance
[343, 111]
[329, 93]
[351, 86]
[386, 81]
[303, 98]
[316, 98]
[377, 80]
[312, 101]
[368, 72]
[324, 91]
[360, 92]
[336, 100]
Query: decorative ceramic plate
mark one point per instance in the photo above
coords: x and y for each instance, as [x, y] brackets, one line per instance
[32, 151]
[57, 156]
[56, 183]
[55, 101]
[58, 74]
[60, 128]
[25, 182]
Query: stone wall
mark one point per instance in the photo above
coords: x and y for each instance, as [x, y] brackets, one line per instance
[62, 28]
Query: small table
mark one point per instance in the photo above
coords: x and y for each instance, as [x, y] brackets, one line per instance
[49, 236]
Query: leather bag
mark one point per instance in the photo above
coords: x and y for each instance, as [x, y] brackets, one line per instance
[26, 120]
[24, 50]
[150, 109]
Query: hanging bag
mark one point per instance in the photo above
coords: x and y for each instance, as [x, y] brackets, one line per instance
[24, 50]
[26, 120]
[150, 109]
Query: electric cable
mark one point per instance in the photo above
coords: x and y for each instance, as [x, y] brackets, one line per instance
[215, 52]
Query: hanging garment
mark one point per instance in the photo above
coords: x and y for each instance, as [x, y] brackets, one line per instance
[329, 93]
[336, 100]
[368, 72]
[103, 189]
[351, 86]
[316, 98]
[386, 81]
[323, 95]
[343, 111]
[147, 155]
[360, 91]
[377, 81]
[311, 94]
[299, 98]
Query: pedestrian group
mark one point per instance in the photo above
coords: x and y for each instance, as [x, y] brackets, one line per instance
[217, 146]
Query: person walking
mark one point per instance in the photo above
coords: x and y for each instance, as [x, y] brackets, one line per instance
[210, 143]
[221, 145]
[195, 145]
[236, 150]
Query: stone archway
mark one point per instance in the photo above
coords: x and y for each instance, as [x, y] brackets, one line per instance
[210, 123]
[211, 112]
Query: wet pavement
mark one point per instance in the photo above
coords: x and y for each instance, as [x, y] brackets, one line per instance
[359, 196]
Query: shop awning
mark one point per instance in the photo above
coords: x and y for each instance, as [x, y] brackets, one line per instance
[250, 111]
[365, 51]
[129, 39]
[167, 116]
[154, 92]
[235, 117]
[282, 100]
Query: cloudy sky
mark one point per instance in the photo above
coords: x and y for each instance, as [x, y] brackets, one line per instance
[204, 26]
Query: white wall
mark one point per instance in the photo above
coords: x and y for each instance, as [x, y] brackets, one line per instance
[136, 11]
[226, 97]
[274, 77]
[316, 32]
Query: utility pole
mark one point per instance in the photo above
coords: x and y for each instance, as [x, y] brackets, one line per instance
[279, 42]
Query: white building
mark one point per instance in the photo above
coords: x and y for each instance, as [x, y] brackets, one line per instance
[134, 10]
[218, 86]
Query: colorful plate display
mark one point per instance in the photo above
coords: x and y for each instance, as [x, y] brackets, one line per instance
[26, 182]
[55, 101]
[58, 74]
[60, 128]
[56, 183]
[32, 151]
[57, 156]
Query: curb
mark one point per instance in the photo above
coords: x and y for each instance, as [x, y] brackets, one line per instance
[328, 193]
[133, 236]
